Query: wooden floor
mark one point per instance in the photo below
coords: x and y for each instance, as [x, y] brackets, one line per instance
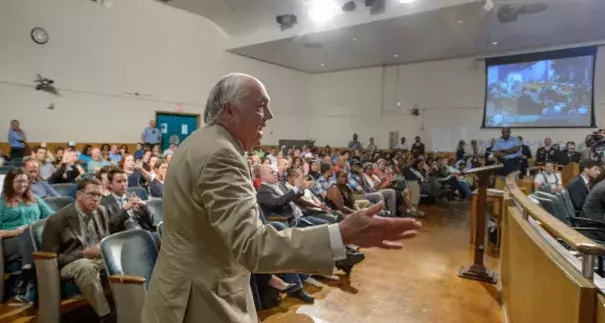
[416, 285]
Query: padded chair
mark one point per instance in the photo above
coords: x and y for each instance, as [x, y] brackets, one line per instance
[51, 289]
[59, 202]
[66, 189]
[88, 175]
[6, 169]
[129, 258]
[14, 163]
[139, 191]
[155, 206]
[9, 272]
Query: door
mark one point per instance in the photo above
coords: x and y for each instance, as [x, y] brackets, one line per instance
[175, 127]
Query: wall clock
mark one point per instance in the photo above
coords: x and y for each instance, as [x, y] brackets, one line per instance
[39, 36]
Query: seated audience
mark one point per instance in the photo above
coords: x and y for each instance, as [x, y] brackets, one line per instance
[137, 175]
[548, 179]
[59, 151]
[96, 161]
[18, 209]
[357, 183]
[569, 154]
[373, 184]
[43, 156]
[74, 234]
[276, 198]
[114, 154]
[102, 176]
[340, 196]
[578, 186]
[67, 171]
[171, 150]
[39, 187]
[156, 188]
[135, 212]
[85, 155]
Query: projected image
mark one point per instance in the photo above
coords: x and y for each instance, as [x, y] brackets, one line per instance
[546, 93]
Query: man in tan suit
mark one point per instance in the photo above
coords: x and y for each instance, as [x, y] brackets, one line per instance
[213, 237]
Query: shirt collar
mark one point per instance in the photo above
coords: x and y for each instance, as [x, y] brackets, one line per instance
[118, 198]
[585, 179]
[81, 212]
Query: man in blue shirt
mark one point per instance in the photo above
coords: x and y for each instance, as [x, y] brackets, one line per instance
[152, 135]
[16, 140]
[508, 150]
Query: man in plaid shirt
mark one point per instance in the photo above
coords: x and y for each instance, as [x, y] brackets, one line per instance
[359, 186]
[324, 181]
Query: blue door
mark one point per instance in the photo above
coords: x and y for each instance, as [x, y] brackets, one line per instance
[175, 127]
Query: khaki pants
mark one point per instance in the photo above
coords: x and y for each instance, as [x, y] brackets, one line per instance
[85, 273]
[414, 192]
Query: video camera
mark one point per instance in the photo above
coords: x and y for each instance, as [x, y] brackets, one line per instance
[596, 143]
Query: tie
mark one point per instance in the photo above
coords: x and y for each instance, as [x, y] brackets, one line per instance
[91, 234]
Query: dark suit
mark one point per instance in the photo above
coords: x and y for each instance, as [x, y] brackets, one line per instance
[565, 157]
[63, 236]
[142, 217]
[274, 202]
[577, 192]
[543, 154]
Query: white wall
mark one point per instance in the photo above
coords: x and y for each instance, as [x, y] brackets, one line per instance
[450, 94]
[134, 46]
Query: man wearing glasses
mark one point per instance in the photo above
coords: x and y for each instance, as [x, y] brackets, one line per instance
[74, 234]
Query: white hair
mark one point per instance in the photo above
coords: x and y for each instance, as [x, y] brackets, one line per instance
[228, 89]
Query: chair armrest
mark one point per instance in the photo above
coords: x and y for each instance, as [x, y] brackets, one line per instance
[44, 255]
[125, 279]
[129, 295]
[277, 219]
[49, 288]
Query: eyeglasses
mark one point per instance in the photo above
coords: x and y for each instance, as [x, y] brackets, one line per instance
[21, 181]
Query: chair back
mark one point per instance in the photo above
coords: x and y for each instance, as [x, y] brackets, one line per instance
[160, 228]
[88, 175]
[132, 253]
[155, 207]
[66, 189]
[35, 231]
[139, 191]
[553, 205]
[59, 202]
[6, 169]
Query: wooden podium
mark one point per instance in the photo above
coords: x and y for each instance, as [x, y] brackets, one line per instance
[478, 271]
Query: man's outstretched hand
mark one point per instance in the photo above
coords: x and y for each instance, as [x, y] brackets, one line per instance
[363, 229]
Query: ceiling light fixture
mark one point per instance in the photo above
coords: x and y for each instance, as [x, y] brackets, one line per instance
[395, 55]
[460, 21]
[406, 1]
[323, 10]
[495, 43]
[354, 39]
[322, 65]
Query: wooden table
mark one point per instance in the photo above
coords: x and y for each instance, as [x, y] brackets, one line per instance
[496, 197]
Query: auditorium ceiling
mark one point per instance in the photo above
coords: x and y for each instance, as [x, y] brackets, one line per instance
[420, 31]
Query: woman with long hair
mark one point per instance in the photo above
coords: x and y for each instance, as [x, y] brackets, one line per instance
[137, 175]
[156, 188]
[18, 209]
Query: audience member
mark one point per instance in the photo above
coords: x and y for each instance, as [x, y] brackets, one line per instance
[16, 140]
[151, 134]
[46, 166]
[39, 187]
[137, 175]
[548, 179]
[156, 188]
[102, 176]
[19, 208]
[578, 187]
[402, 145]
[135, 213]
[417, 147]
[569, 154]
[79, 256]
[67, 171]
[354, 144]
[96, 161]
[508, 149]
[545, 153]
[114, 154]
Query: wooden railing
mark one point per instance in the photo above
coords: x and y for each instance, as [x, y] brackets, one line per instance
[541, 281]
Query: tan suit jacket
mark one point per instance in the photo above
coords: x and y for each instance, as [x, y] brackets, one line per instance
[213, 237]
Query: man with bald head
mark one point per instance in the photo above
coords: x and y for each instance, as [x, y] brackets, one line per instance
[213, 237]
[96, 161]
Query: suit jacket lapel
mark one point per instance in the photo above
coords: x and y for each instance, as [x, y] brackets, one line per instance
[74, 226]
[100, 228]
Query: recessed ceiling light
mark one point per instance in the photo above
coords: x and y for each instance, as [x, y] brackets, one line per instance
[460, 21]
[322, 65]
[495, 43]
[354, 39]
[406, 1]
[395, 55]
[323, 10]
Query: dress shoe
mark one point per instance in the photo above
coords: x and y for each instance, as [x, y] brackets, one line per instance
[346, 265]
[300, 294]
